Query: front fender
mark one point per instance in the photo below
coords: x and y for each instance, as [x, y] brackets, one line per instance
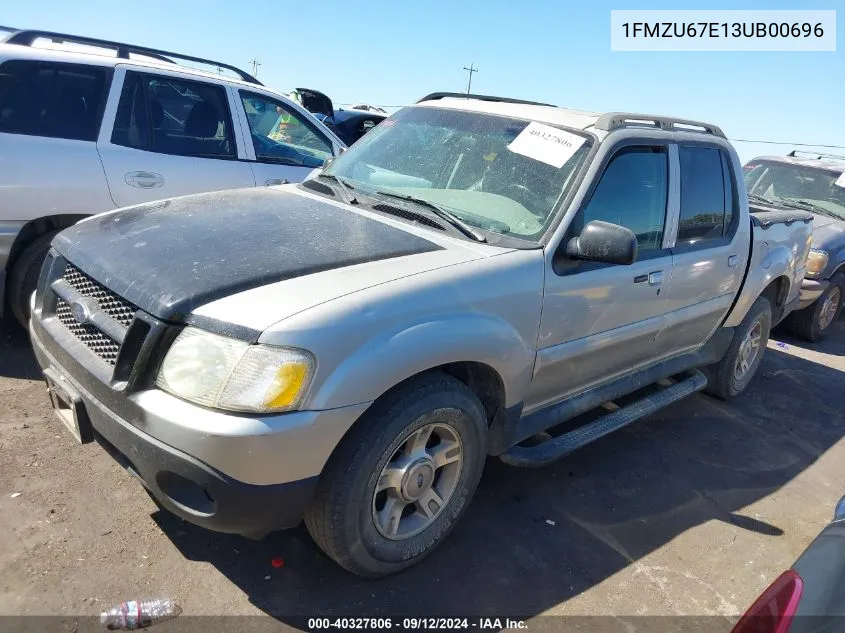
[391, 357]
[768, 265]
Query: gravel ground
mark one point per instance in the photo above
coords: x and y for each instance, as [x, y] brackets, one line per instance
[692, 511]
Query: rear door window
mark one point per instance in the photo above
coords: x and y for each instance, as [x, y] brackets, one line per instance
[174, 116]
[707, 197]
[50, 99]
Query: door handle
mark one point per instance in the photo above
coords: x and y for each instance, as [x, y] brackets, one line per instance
[276, 181]
[732, 260]
[655, 278]
[144, 179]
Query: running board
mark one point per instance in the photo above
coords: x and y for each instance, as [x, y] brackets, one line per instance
[557, 447]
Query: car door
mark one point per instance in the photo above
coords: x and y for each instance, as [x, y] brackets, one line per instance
[710, 252]
[600, 320]
[283, 144]
[169, 136]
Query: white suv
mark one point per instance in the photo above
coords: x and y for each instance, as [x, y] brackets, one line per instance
[89, 125]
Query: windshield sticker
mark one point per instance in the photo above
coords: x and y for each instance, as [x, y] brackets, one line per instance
[547, 144]
[840, 182]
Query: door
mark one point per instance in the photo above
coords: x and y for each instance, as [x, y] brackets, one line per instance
[600, 320]
[284, 145]
[711, 250]
[170, 137]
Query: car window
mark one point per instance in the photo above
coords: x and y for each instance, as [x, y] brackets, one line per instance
[706, 195]
[632, 192]
[52, 99]
[467, 162]
[782, 182]
[173, 116]
[282, 135]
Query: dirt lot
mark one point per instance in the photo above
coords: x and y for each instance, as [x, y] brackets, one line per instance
[691, 511]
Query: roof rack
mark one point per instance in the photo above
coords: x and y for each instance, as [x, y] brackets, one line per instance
[27, 37]
[435, 96]
[794, 153]
[615, 120]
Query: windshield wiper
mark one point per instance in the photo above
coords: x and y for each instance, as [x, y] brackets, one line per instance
[756, 198]
[441, 212]
[815, 208]
[345, 188]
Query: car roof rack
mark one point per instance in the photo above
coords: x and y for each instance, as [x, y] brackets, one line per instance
[26, 37]
[435, 96]
[795, 154]
[615, 120]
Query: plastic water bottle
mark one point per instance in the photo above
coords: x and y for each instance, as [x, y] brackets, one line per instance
[133, 614]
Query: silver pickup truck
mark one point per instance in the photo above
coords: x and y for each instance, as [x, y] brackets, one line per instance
[477, 276]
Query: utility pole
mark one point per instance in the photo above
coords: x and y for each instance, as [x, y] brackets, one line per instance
[471, 69]
[255, 64]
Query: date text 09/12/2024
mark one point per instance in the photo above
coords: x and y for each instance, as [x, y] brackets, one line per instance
[416, 624]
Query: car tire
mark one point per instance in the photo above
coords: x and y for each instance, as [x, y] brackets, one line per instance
[730, 376]
[366, 530]
[23, 278]
[813, 322]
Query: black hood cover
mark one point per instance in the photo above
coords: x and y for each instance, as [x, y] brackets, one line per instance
[170, 257]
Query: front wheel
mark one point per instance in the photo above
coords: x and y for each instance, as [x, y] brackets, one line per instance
[24, 275]
[813, 322]
[730, 376]
[401, 478]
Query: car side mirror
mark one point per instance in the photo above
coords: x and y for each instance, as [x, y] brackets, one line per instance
[327, 163]
[604, 242]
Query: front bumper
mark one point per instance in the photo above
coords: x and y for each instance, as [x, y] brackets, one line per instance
[811, 289]
[229, 473]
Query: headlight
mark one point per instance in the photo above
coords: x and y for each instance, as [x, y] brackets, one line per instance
[224, 373]
[816, 261]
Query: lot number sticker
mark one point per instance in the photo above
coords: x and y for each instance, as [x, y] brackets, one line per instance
[840, 182]
[546, 144]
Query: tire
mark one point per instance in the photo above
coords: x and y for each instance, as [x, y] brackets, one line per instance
[724, 379]
[814, 321]
[345, 516]
[23, 278]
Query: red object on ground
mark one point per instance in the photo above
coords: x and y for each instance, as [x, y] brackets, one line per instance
[277, 562]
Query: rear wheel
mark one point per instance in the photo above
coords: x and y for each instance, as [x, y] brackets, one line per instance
[730, 376]
[402, 478]
[814, 321]
[23, 277]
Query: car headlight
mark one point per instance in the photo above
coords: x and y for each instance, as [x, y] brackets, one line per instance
[816, 261]
[225, 373]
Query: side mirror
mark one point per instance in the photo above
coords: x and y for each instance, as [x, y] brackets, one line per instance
[328, 162]
[604, 242]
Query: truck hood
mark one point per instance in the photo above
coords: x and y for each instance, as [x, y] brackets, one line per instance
[828, 233]
[172, 256]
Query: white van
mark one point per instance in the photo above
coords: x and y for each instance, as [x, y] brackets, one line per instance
[89, 125]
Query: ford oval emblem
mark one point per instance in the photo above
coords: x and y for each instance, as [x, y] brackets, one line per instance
[80, 311]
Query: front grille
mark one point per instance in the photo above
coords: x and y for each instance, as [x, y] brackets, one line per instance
[117, 308]
[96, 341]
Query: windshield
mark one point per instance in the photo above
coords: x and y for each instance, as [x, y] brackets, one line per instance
[785, 182]
[493, 172]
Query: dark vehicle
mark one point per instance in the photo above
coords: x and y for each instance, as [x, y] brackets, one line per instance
[349, 125]
[817, 184]
[808, 596]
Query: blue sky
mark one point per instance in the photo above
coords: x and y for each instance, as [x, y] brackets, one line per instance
[551, 51]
